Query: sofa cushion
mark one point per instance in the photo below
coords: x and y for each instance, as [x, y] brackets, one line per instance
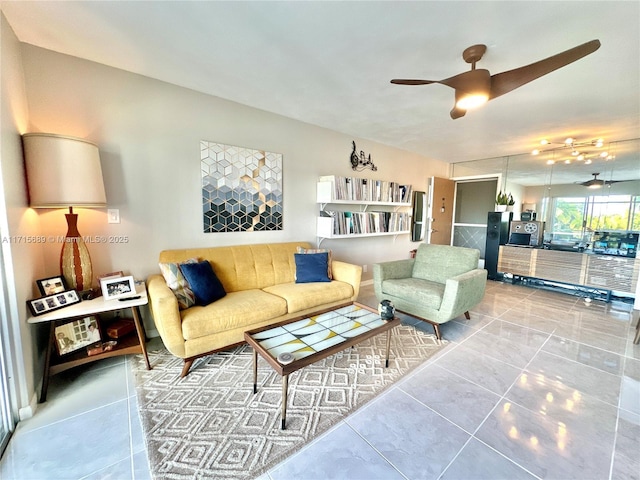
[300, 296]
[178, 284]
[311, 267]
[318, 250]
[203, 281]
[423, 292]
[236, 309]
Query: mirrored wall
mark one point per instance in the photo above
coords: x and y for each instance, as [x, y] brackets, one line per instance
[575, 197]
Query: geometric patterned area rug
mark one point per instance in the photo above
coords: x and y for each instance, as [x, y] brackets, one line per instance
[211, 425]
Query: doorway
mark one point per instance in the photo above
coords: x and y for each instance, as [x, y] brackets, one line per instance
[441, 201]
[474, 199]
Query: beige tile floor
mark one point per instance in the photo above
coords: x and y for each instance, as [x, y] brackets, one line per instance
[537, 384]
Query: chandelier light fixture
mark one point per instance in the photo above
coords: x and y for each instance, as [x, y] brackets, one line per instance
[572, 150]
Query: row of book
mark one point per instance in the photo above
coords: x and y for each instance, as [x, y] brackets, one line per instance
[367, 190]
[346, 223]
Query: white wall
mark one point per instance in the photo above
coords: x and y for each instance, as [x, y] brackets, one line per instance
[148, 133]
[22, 262]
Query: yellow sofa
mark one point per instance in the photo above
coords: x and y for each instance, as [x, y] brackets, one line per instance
[261, 290]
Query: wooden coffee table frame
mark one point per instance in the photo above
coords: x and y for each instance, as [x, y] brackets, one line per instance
[285, 370]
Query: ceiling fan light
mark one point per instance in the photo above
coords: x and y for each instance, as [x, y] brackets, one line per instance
[580, 157]
[569, 141]
[544, 141]
[599, 143]
[567, 161]
[587, 161]
[604, 154]
[550, 162]
[535, 152]
[467, 101]
[593, 186]
[473, 89]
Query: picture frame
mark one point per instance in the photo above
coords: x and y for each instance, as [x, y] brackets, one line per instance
[49, 303]
[118, 287]
[77, 334]
[52, 285]
[106, 276]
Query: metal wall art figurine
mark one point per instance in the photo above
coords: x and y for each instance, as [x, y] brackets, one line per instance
[359, 163]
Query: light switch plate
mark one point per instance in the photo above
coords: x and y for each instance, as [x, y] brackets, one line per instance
[113, 215]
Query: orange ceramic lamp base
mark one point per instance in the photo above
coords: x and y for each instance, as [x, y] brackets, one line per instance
[75, 262]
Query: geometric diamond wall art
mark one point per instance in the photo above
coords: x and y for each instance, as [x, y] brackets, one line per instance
[241, 188]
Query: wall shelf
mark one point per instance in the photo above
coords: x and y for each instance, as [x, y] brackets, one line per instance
[370, 211]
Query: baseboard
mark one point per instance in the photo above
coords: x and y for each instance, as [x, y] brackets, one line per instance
[29, 411]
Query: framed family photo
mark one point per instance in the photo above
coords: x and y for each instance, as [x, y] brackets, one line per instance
[52, 285]
[49, 303]
[119, 287]
[72, 336]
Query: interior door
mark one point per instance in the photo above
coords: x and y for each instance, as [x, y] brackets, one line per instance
[441, 196]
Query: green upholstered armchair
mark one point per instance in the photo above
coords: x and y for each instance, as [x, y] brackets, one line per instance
[438, 285]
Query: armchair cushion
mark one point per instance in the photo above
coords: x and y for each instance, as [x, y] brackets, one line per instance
[437, 263]
[423, 292]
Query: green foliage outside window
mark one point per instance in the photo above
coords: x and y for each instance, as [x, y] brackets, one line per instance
[575, 215]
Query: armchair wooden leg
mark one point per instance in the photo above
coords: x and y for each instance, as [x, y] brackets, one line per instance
[466, 315]
[436, 328]
[187, 365]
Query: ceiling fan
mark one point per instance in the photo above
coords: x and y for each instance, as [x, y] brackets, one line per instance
[595, 182]
[475, 87]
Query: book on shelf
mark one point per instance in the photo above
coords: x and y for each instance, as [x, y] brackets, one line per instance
[358, 223]
[362, 189]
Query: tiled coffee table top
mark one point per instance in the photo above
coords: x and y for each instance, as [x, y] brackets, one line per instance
[318, 332]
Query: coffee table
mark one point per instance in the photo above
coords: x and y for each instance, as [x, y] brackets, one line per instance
[314, 337]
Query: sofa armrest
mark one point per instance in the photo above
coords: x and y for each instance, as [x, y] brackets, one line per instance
[388, 270]
[348, 273]
[166, 314]
[463, 292]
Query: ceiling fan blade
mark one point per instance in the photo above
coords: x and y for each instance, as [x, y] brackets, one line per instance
[505, 82]
[402, 81]
[457, 112]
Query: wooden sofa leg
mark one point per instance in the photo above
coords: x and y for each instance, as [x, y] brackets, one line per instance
[436, 328]
[187, 365]
[466, 315]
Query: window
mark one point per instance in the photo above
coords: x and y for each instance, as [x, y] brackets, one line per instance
[573, 217]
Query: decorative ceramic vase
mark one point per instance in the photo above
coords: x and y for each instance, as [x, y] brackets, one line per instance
[75, 262]
[501, 208]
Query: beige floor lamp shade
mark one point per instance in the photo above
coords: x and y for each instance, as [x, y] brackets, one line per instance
[65, 172]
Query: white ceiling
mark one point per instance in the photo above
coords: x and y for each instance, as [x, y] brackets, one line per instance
[329, 63]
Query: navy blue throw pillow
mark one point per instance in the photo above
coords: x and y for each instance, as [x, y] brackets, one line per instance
[203, 282]
[312, 267]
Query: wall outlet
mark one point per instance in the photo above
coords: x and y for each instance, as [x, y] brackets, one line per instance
[364, 269]
[113, 215]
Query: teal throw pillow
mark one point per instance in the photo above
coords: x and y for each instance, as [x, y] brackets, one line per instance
[203, 281]
[312, 267]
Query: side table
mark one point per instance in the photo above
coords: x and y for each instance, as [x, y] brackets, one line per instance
[131, 344]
